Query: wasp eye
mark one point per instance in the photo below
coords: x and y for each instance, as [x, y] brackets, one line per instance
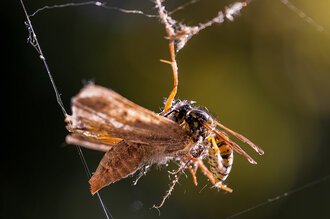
[210, 120]
[199, 115]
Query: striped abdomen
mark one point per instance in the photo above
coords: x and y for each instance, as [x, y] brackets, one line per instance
[119, 162]
[220, 161]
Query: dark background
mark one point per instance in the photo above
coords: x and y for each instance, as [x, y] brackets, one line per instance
[265, 75]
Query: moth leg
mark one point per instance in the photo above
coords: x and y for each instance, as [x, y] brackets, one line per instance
[175, 77]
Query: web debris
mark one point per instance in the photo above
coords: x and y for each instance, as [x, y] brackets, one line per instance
[32, 39]
[181, 33]
[285, 194]
[168, 193]
[303, 16]
[92, 3]
[178, 35]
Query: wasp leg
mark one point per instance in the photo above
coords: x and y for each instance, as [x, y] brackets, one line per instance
[192, 172]
[203, 168]
[221, 186]
[184, 164]
[220, 166]
[195, 167]
[175, 77]
[206, 171]
[187, 147]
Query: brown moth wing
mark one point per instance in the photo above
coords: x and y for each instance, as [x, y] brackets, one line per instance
[100, 110]
[76, 139]
[119, 162]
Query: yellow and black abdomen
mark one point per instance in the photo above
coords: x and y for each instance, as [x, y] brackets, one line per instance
[220, 160]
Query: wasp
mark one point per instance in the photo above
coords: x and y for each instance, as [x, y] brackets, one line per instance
[134, 137]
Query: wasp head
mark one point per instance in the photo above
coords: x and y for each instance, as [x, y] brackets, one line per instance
[179, 111]
[193, 118]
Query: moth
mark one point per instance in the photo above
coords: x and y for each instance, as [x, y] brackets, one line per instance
[133, 136]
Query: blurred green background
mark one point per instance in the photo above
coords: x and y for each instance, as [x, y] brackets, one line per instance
[265, 75]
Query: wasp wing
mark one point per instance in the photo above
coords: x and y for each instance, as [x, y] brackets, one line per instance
[225, 138]
[98, 111]
[241, 137]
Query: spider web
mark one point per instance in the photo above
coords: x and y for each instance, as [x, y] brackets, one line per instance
[181, 33]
